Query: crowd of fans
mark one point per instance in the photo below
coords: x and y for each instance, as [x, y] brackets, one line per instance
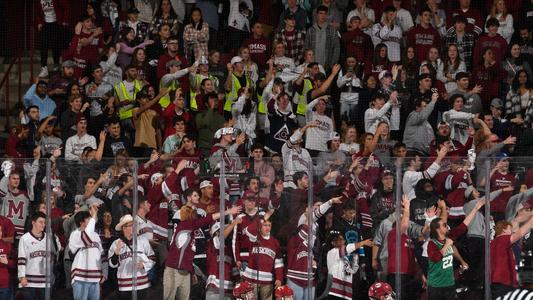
[299, 116]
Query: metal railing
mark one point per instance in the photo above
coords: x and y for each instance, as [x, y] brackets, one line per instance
[6, 81]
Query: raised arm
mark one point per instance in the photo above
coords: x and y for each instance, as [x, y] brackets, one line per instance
[522, 231]
[325, 85]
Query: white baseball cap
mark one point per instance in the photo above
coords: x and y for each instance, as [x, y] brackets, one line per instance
[236, 59]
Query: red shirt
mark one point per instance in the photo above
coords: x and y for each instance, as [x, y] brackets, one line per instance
[85, 56]
[168, 116]
[259, 50]
[5, 250]
[8, 230]
[497, 44]
[407, 253]
[498, 181]
[358, 44]
[423, 39]
[503, 265]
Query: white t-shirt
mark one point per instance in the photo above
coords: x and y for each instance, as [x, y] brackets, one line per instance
[49, 11]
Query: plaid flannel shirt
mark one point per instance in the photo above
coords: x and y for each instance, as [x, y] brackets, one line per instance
[296, 49]
[196, 41]
[141, 32]
[157, 22]
[513, 105]
[466, 46]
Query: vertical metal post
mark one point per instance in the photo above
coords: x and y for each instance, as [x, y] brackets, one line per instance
[135, 206]
[7, 96]
[398, 196]
[311, 233]
[19, 71]
[221, 249]
[48, 234]
[32, 42]
[487, 228]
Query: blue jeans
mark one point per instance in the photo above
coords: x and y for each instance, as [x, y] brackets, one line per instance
[300, 293]
[86, 290]
[6, 294]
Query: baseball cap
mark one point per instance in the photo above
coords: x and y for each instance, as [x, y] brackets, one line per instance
[333, 136]
[442, 124]
[502, 156]
[133, 10]
[224, 131]
[497, 103]
[80, 118]
[205, 183]
[68, 64]
[383, 74]
[386, 172]
[236, 59]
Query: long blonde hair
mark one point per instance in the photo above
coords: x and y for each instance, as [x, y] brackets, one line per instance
[493, 11]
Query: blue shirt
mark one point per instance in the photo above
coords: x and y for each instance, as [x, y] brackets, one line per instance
[47, 106]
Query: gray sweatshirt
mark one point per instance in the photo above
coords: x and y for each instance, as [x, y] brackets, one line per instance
[476, 228]
[481, 157]
[514, 202]
[418, 132]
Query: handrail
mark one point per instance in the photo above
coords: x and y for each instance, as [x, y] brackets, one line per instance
[5, 80]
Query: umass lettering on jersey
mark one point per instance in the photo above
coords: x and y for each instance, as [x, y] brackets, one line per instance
[266, 251]
[424, 39]
[39, 253]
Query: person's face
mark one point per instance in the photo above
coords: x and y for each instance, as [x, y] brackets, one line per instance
[49, 129]
[309, 56]
[284, 102]
[165, 7]
[368, 139]
[239, 67]
[147, 206]
[130, 36]
[488, 119]
[349, 214]
[196, 16]
[68, 72]
[522, 78]
[397, 4]
[280, 50]
[164, 32]
[141, 55]
[87, 23]
[114, 130]
[107, 218]
[339, 242]
[257, 154]
[360, 3]
[463, 83]
[443, 228]
[254, 185]
[428, 187]
[503, 166]
[204, 68]
[385, 130]
[383, 52]
[90, 10]
[460, 26]
[452, 52]
[98, 74]
[133, 17]
[322, 16]
[391, 15]
[290, 23]
[228, 138]
[14, 181]
[208, 86]
[245, 53]
[410, 53]
[496, 112]
[132, 73]
[291, 3]
[34, 114]
[488, 56]
[378, 103]
[524, 34]
[425, 83]
[258, 29]
[248, 204]
[433, 54]
[458, 104]
[207, 192]
[277, 163]
[335, 144]
[320, 107]
[386, 81]
[493, 29]
[127, 229]
[304, 182]
[356, 23]
[351, 133]
[215, 57]
[188, 144]
[425, 18]
[401, 152]
[500, 6]
[81, 126]
[76, 104]
[41, 90]
[423, 104]
[266, 227]
[515, 51]
[476, 194]
[179, 126]
[464, 3]
[508, 230]
[172, 46]
[444, 130]
[120, 160]
[388, 182]
[351, 62]
[212, 102]
[39, 224]
[179, 101]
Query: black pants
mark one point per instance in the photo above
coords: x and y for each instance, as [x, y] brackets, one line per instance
[141, 295]
[51, 38]
[500, 290]
[444, 293]
[476, 260]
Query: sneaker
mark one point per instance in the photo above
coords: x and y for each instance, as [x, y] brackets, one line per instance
[43, 73]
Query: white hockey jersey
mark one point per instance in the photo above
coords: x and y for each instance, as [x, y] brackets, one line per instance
[32, 259]
[124, 262]
[90, 259]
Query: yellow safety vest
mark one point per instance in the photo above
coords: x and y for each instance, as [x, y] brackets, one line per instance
[232, 95]
[126, 112]
[165, 101]
[301, 108]
[198, 80]
[261, 108]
